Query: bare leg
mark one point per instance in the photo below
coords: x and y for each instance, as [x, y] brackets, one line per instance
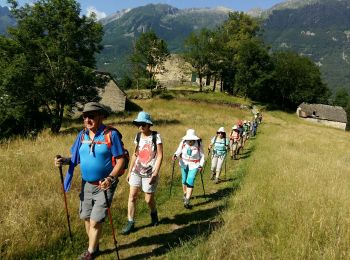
[93, 230]
[132, 202]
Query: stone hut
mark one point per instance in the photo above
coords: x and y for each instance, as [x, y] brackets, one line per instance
[112, 96]
[333, 116]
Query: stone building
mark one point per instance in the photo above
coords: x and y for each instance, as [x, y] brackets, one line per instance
[333, 116]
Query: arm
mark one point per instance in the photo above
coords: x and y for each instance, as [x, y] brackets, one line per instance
[131, 165]
[158, 163]
[178, 151]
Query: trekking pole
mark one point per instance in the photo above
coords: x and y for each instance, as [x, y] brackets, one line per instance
[172, 177]
[111, 223]
[225, 165]
[65, 198]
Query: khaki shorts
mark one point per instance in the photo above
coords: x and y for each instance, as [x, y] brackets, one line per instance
[136, 180]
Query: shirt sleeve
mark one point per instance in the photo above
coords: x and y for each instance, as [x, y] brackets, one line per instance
[158, 139]
[179, 149]
[117, 147]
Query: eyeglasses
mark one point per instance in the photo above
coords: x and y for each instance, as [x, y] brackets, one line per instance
[90, 116]
[141, 124]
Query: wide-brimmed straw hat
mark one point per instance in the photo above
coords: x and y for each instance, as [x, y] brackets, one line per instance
[143, 117]
[221, 130]
[190, 135]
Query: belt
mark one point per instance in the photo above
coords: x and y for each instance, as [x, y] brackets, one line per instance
[189, 160]
[96, 183]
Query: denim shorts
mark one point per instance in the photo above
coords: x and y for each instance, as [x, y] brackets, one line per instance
[93, 201]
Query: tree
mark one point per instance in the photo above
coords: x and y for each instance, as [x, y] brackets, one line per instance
[253, 68]
[296, 79]
[51, 62]
[149, 56]
[198, 52]
[341, 98]
[238, 28]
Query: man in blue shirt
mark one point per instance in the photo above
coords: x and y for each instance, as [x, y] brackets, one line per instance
[99, 173]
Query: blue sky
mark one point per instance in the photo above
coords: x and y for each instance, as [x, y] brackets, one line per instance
[106, 7]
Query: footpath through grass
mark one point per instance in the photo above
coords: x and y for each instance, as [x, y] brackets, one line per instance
[294, 201]
[33, 215]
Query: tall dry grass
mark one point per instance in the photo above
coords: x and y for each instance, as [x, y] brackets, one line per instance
[294, 202]
[32, 219]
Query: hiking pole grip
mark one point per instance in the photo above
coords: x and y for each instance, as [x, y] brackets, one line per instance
[111, 223]
[64, 196]
[172, 177]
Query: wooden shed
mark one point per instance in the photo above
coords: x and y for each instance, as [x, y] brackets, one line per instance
[333, 116]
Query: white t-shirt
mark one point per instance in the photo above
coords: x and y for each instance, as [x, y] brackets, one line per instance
[146, 155]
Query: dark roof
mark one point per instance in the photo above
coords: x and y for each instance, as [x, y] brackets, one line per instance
[325, 112]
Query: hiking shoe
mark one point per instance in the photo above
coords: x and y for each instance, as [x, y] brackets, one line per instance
[154, 218]
[217, 180]
[187, 204]
[86, 255]
[128, 228]
[212, 176]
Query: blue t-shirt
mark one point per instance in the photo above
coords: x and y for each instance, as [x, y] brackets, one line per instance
[96, 159]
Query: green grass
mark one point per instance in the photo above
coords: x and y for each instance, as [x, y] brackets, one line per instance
[287, 198]
[33, 212]
[294, 200]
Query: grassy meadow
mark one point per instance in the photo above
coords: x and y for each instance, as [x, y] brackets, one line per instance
[294, 200]
[286, 198]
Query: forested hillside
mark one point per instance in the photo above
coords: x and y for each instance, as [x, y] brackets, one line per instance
[316, 29]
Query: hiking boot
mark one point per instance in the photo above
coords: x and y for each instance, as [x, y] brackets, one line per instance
[128, 228]
[187, 204]
[217, 180]
[154, 218]
[212, 176]
[86, 255]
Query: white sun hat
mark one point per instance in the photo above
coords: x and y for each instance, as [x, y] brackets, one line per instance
[190, 135]
[221, 129]
[234, 127]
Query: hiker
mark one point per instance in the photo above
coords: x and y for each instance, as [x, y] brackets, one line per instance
[191, 162]
[99, 177]
[245, 132]
[240, 140]
[219, 145]
[234, 142]
[144, 169]
[254, 127]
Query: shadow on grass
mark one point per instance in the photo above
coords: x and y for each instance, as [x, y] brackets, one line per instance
[167, 241]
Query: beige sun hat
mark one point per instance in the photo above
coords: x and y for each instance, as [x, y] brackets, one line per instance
[221, 129]
[190, 135]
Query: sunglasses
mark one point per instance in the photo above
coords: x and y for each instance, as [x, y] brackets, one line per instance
[141, 124]
[220, 133]
[90, 116]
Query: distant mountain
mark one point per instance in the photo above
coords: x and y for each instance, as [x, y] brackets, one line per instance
[171, 24]
[319, 29]
[6, 19]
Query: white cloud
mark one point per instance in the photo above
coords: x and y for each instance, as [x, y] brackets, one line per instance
[92, 9]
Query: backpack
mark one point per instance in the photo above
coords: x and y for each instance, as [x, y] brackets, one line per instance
[107, 133]
[199, 142]
[215, 142]
[154, 141]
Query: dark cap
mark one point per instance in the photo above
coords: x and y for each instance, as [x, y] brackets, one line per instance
[94, 106]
